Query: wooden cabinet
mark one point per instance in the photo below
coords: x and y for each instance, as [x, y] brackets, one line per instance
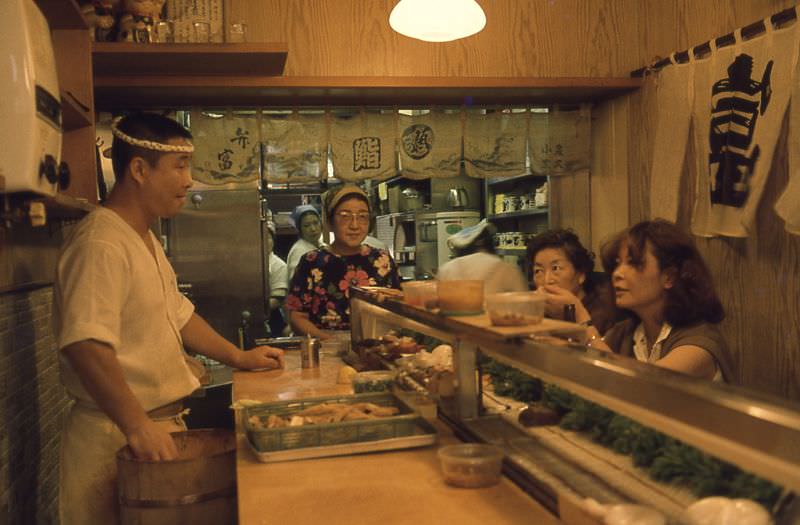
[72, 47]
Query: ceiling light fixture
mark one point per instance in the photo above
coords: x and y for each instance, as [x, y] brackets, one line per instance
[437, 20]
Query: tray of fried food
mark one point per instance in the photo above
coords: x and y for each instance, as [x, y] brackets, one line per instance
[325, 413]
[329, 426]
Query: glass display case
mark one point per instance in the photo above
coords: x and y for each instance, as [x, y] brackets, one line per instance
[628, 432]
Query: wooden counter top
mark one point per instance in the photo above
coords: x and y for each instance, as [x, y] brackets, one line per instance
[389, 488]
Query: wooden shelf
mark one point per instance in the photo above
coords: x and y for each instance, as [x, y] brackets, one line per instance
[210, 88]
[519, 252]
[521, 213]
[66, 207]
[187, 61]
[74, 114]
[516, 178]
[59, 206]
[62, 14]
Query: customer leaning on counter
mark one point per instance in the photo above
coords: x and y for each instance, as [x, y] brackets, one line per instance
[662, 282]
[121, 324]
[562, 267]
[319, 292]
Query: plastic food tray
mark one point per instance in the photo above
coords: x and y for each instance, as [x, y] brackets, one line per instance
[405, 430]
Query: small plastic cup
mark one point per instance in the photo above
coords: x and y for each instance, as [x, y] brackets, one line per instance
[471, 465]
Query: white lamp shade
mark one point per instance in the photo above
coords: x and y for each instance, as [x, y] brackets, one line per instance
[437, 20]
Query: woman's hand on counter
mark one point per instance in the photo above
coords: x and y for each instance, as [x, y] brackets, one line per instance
[260, 358]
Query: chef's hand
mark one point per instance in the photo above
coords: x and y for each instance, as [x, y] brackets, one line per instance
[260, 357]
[557, 297]
[150, 442]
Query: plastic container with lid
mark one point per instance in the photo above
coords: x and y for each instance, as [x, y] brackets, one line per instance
[460, 297]
[420, 293]
[375, 381]
[515, 308]
[471, 465]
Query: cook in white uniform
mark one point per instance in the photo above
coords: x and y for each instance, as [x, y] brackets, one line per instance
[278, 283]
[476, 260]
[121, 325]
[309, 226]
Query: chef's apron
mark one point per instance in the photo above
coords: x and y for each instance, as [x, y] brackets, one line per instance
[88, 470]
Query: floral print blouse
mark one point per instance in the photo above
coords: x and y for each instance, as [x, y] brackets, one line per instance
[321, 285]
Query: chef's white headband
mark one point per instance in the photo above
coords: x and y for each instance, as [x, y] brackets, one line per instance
[148, 144]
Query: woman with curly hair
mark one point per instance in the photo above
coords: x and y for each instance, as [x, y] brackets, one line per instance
[319, 292]
[662, 282]
[562, 267]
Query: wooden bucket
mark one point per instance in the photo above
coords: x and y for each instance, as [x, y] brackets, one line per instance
[197, 488]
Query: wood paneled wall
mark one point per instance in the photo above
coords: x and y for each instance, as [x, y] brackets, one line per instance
[547, 38]
[758, 278]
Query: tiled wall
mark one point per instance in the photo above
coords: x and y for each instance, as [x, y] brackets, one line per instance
[32, 405]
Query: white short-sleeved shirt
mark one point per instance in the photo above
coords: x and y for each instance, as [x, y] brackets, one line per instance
[497, 275]
[278, 278]
[109, 288]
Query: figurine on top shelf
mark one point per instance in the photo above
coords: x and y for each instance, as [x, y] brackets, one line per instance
[99, 15]
[138, 20]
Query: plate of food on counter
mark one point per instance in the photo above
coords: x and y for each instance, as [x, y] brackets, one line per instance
[387, 348]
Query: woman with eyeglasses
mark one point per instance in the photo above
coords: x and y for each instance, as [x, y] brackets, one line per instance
[562, 268]
[319, 292]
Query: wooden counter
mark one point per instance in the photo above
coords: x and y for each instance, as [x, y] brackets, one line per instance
[389, 488]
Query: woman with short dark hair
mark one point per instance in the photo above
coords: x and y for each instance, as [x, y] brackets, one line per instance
[662, 282]
[562, 267]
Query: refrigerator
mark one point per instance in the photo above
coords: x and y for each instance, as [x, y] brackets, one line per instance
[432, 230]
[216, 248]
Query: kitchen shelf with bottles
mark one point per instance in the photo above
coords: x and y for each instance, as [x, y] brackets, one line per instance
[519, 211]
